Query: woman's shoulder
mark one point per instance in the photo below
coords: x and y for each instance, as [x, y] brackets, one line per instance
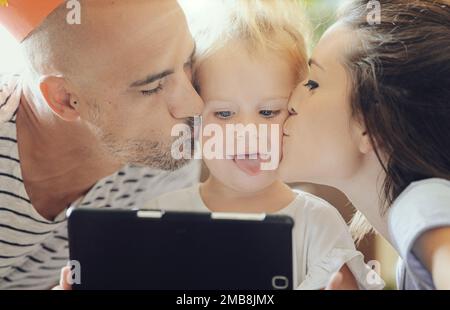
[428, 188]
[423, 205]
[422, 197]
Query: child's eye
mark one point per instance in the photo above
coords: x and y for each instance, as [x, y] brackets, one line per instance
[224, 114]
[311, 85]
[269, 113]
[152, 91]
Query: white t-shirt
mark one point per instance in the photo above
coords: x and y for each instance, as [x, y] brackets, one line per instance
[323, 243]
[423, 206]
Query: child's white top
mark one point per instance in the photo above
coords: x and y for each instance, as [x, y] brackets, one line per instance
[422, 206]
[323, 243]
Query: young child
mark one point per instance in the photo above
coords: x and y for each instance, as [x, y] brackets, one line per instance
[251, 55]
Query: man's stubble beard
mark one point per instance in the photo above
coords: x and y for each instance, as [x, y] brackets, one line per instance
[153, 154]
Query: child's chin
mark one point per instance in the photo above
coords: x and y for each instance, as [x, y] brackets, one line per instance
[249, 183]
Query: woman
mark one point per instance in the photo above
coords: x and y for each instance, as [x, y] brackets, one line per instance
[373, 120]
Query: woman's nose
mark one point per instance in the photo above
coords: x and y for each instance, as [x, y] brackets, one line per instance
[292, 110]
[291, 106]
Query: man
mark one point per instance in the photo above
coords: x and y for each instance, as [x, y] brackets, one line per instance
[97, 105]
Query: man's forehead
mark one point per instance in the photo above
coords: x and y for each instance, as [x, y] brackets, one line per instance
[139, 19]
[133, 34]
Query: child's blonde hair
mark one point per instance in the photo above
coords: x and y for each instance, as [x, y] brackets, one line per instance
[275, 25]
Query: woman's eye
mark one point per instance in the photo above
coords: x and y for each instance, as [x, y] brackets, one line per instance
[152, 91]
[311, 85]
[224, 114]
[269, 113]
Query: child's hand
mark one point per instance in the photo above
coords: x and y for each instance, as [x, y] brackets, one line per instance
[63, 281]
[342, 280]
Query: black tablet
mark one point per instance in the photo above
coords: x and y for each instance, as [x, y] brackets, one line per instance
[155, 250]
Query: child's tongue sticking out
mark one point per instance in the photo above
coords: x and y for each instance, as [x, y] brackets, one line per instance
[251, 165]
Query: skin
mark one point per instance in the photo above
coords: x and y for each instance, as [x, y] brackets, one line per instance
[325, 144]
[99, 109]
[257, 95]
[433, 249]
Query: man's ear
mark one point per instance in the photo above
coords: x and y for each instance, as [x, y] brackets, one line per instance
[56, 93]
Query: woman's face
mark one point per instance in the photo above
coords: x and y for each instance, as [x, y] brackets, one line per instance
[239, 88]
[322, 141]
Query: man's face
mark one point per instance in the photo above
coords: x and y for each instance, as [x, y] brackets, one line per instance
[135, 78]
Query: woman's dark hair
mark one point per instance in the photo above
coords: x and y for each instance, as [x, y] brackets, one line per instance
[400, 74]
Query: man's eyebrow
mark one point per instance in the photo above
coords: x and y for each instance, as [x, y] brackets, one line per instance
[152, 78]
[314, 62]
[155, 77]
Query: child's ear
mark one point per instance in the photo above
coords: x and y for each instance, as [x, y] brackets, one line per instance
[59, 98]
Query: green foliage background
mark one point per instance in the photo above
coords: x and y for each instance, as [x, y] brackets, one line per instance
[322, 14]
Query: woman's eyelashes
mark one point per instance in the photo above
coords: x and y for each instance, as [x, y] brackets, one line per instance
[311, 85]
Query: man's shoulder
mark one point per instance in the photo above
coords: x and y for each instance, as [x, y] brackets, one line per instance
[151, 175]
[9, 96]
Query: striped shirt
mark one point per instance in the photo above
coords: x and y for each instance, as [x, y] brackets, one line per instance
[32, 249]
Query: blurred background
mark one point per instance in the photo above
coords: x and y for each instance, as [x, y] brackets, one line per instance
[322, 15]
[10, 55]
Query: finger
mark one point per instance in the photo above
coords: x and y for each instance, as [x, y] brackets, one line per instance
[64, 279]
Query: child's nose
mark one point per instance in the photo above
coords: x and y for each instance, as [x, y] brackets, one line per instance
[247, 119]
